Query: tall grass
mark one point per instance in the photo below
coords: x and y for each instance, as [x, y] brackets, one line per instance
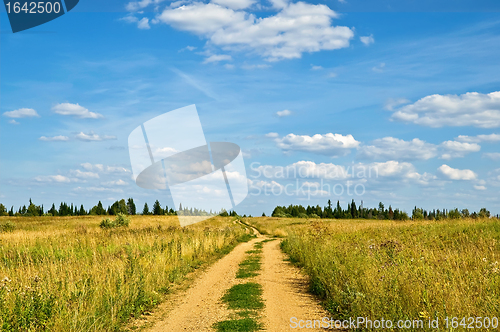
[391, 270]
[69, 275]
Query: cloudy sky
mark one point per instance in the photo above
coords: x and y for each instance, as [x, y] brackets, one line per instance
[411, 89]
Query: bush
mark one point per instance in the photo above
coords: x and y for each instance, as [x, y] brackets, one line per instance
[7, 226]
[120, 221]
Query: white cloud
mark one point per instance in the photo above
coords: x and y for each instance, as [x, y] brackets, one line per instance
[138, 5]
[102, 168]
[53, 178]
[316, 67]
[367, 40]
[14, 122]
[117, 169]
[296, 28]
[129, 19]
[394, 148]
[118, 182]
[229, 66]
[59, 138]
[478, 187]
[328, 144]
[93, 137]
[492, 155]
[283, 113]
[379, 68]
[187, 48]
[22, 113]
[85, 175]
[217, 58]
[143, 24]
[272, 135]
[470, 109]
[75, 110]
[479, 138]
[391, 103]
[457, 174]
[251, 67]
[454, 149]
[235, 4]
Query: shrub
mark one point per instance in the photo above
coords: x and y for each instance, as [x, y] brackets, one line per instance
[7, 226]
[120, 221]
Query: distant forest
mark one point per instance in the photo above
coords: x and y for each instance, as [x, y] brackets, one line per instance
[291, 211]
[353, 212]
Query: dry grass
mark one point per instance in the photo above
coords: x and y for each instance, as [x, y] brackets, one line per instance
[397, 270]
[67, 274]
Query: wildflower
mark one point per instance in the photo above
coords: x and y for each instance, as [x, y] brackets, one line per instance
[484, 259]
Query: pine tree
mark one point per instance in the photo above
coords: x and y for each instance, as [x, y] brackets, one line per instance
[145, 210]
[131, 206]
[157, 210]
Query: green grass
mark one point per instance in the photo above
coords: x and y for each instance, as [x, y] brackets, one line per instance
[399, 270]
[238, 325]
[244, 296]
[67, 274]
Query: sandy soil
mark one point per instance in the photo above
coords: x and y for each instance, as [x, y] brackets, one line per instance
[199, 307]
[284, 292]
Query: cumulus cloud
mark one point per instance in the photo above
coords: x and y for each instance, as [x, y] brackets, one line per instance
[75, 110]
[93, 137]
[22, 113]
[457, 174]
[138, 5]
[14, 122]
[53, 178]
[283, 113]
[85, 175]
[479, 187]
[492, 155]
[391, 103]
[235, 4]
[272, 135]
[218, 58]
[118, 182]
[469, 109]
[367, 40]
[479, 138]
[416, 149]
[454, 149]
[328, 144]
[394, 148]
[143, 24]
[296, 27]
[59, 138]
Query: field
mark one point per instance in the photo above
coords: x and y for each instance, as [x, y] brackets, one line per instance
[68, 274]
[397, 270]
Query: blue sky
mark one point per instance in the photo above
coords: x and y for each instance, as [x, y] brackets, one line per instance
[407, 87]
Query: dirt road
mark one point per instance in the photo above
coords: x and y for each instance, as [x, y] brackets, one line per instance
[284, 292]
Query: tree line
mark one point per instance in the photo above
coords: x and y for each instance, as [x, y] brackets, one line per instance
[120, 206]
[292, 211]
[360, 212]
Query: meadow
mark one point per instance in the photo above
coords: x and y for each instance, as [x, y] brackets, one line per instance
[69, 274]
[412, 270]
